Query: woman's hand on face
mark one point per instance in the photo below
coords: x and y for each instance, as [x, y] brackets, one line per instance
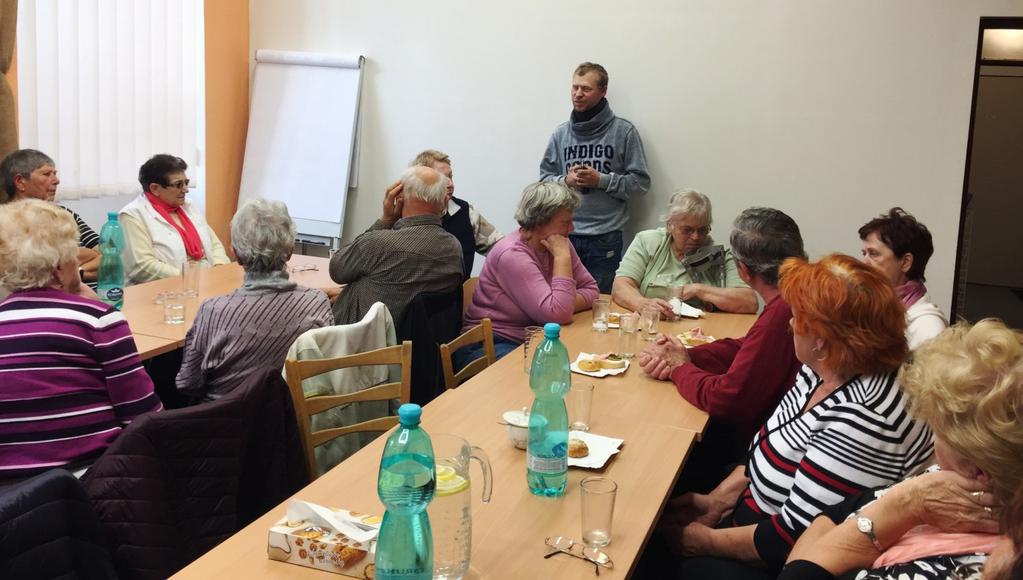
[558, 245]
[951, 502]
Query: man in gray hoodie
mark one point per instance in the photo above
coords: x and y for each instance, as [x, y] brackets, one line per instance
[601, 156]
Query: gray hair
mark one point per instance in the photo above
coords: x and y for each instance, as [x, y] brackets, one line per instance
[263, 235]
[688, 202]
[416, 188]
[21, 162]
[542, 200]
[35, 237]
[763, 238]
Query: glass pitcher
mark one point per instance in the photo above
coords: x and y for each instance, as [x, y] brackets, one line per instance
[450, 511]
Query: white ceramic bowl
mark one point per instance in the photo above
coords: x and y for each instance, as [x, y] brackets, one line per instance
[518, 427]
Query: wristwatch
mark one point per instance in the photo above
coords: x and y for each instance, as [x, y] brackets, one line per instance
[866, 526]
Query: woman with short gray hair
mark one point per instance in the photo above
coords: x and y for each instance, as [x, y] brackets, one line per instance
[254, 325]
[681, 254]
[532, 276]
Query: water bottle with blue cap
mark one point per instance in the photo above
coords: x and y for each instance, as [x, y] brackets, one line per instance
[406, 485]
[550, 378]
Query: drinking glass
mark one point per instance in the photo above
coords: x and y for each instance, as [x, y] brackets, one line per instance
[601, 308]
[598, 504]
[531, 336]
[628, 326]
[190, 279]
[173, 308]
[649, 316]
[580, 400]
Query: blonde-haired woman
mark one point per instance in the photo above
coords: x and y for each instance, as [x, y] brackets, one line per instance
[68, 361]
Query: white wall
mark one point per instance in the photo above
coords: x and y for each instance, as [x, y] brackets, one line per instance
[831, 111]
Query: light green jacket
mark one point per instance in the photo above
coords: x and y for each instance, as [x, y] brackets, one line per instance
[651, 263]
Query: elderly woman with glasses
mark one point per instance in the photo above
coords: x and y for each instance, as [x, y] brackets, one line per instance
[254, 325]
[681, 253]
[70, 374]
[967, 384]
[843, 427]
[162, 229]
[533, 275]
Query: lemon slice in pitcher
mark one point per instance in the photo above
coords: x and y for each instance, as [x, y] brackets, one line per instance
[449, 482]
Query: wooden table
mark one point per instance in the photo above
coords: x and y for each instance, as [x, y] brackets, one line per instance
[658, 426]
[145, 317]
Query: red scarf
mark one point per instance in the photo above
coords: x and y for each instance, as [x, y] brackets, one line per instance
[189, 235]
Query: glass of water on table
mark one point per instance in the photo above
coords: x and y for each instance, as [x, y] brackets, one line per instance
[601, 310]
[628, 337]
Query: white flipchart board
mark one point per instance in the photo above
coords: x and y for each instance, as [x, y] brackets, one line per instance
[301, 141]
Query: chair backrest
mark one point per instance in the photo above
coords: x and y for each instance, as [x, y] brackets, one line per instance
[431, 319]
[468, 287]
[299, 370]
[482, 332]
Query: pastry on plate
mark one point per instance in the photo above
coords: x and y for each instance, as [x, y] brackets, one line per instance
[611, 360]
[694, 337]
[589, 365]
[614, 317]
[577, 448]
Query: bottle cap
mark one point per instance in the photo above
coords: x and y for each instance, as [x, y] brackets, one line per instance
[409, 414]
[552, 330]
[112, 216]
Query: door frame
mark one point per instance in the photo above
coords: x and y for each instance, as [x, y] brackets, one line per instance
[986, 23]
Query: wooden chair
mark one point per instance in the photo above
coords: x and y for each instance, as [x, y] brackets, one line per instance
[299, 370]
[468, 287]
[483, 332]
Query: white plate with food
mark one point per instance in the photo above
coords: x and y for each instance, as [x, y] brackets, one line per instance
[695, 337]
[591, 451]
[599, 365]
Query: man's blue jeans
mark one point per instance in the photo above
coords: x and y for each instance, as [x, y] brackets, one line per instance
[601, 254]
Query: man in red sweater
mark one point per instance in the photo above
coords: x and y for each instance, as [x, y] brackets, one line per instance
[738, 382]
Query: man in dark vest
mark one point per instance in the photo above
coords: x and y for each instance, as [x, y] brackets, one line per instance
[460, 218]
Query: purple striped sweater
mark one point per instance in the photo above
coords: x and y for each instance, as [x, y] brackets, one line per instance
[70, 380]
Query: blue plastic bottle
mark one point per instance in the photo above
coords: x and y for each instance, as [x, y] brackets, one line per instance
[547, 453]
[110, 278]
[405, 485]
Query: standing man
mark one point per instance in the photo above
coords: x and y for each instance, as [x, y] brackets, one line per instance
[601, 156]
[460, 218]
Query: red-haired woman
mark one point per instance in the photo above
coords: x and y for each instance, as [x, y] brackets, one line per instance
[842, 428]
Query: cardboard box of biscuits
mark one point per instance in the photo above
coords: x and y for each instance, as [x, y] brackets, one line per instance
[329, 539]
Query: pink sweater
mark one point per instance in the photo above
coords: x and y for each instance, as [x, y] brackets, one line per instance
[516, 289]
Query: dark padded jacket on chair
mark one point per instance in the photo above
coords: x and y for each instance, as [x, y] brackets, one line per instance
[430, 319]
[177, 483]
[48, 530]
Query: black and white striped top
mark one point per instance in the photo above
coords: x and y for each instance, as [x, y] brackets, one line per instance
[858, 437]
[87, 237]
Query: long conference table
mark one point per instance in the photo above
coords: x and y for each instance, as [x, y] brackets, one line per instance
[658, 426]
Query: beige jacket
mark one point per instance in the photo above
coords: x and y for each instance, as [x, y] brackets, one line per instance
[375, 330]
